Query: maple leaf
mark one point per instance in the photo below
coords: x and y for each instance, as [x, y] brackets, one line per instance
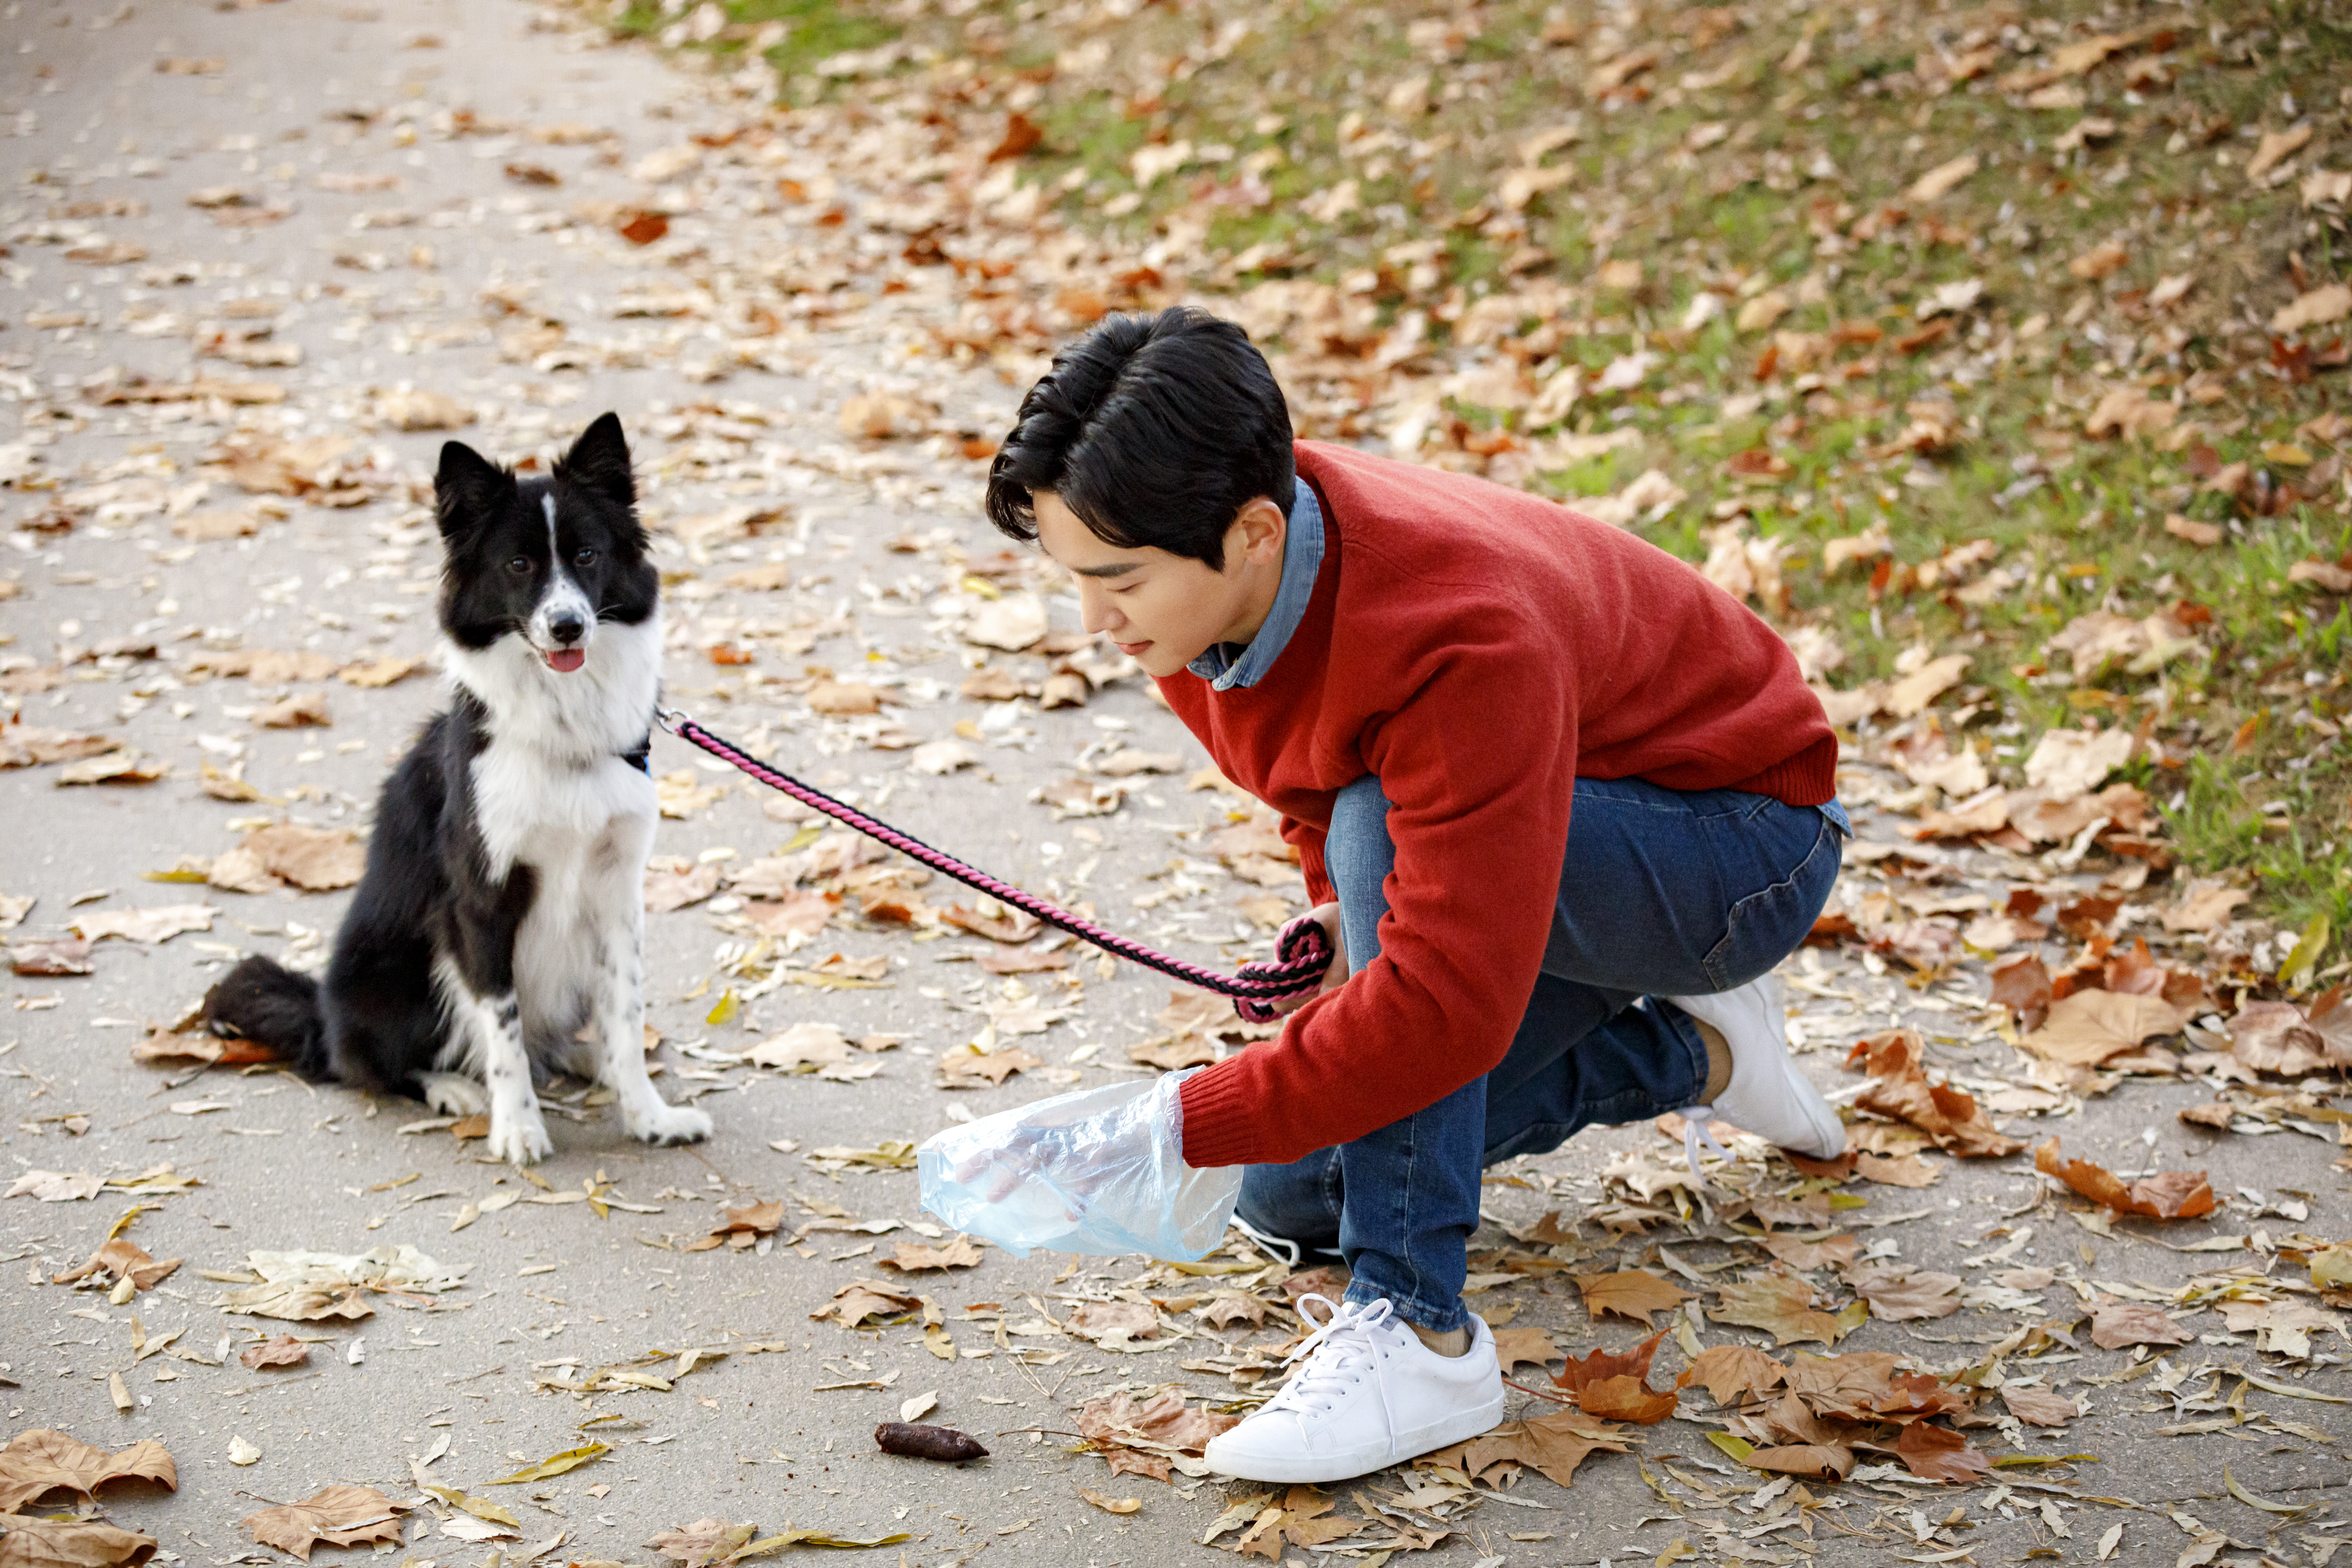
[1900, 1088]
[1830, 1252]
[2089, 1026]
[959, 1253]
[2168, 1194]
[278, 1350]
[1528, 1346]
[1552, 1444]
[1298, 1520]
[1937, 1454]
[1897, 1294]
[1614, 1384]
[39, 1461]
[124, 1259]
[333, 1516]
[1733, 1374]
[860, 1300]
[1780, 1304]
[2116, 1325]
[72, 1543]
[2041, 1406]
[1634, 1293]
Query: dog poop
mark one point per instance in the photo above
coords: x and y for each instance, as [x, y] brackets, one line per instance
[944, 1444]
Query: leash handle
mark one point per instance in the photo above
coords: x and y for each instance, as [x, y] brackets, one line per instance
[1302, 949]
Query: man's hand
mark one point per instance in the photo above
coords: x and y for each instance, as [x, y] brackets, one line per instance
[1328, 916]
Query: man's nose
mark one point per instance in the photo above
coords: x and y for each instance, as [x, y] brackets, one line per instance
[1094, 612]
[567, 627]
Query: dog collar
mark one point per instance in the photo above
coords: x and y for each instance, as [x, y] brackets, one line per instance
[641, 757]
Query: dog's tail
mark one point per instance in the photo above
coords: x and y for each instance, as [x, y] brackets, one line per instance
[263, 1001]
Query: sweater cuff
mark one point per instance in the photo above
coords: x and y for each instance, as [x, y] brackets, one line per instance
[1216, 1117]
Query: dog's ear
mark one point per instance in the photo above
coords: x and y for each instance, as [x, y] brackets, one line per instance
[466, 487]
[599, 462]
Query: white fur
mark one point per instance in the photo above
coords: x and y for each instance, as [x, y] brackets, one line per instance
[552, 791]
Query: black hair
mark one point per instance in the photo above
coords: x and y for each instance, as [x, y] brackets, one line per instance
[1154, 430]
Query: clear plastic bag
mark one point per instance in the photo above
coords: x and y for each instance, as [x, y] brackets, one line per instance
[1100, 1170]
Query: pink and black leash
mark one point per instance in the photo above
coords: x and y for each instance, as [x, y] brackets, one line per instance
[1303, 950]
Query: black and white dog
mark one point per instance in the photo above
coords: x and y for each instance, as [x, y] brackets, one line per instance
[498, 929]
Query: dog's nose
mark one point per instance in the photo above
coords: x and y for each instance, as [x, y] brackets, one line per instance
[567, 628]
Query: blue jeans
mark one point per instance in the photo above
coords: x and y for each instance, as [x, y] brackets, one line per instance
[1662, 891]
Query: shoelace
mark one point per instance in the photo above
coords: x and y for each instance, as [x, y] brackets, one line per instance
[1275, 1247]
[1696, 1137]
[1338, 1353]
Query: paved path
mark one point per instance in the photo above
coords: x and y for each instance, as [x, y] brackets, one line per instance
[333, 216]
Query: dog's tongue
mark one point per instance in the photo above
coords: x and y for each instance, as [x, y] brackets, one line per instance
[566, 659]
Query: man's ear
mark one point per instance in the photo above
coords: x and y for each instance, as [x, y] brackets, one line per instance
[1264, 529]
[467, 488]
[599, 461]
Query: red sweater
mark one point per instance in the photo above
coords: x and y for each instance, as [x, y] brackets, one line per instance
[1478, 650]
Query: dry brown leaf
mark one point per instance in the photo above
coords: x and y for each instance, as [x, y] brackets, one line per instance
[124, 1259]
[1302, 1518]
[28, 745]
[2168, 1194]
[1513, 1347]
[1733, 1374]
[1900, 1090]
[157, 924]
[2089, 1026]
[55, 1187]
[1781, 1305]
[2276, 1037]
[278, 1350]
[315, 859]
[1898, 1294]
[862, 1300]
[2037, 1406]
[333, 1516]
[2116, 1325]
[40, 1461]
[1936, 1454]
[33, 1542]
[302, 709]
[1634, 1293]
[912, 1258]
[369, 674]
[1552, 1444]
[1138, 1437]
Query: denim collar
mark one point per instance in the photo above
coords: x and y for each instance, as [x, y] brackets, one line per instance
[1227, 665]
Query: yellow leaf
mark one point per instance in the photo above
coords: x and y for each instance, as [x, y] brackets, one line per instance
[555, 1465]
[729, 1006]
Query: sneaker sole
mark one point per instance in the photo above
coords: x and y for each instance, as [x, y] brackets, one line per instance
[1319, 1469]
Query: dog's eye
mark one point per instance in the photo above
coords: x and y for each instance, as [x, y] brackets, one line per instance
[520, 565]
[586, 557]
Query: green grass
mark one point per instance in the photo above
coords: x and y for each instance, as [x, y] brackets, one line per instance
[1742, 213]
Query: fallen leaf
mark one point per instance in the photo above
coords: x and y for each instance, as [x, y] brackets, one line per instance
[554, 1464]
[1111, 1505]
[157, 924]
[1733, 1374]
[1513, 1347]
[278, 1350]
[1897, 1294]
[1634, 1293]
[1145, 1437]
[333, 1516]
[55, 1187]
[1936, 1454]
[1302, 1518]
[124, 1259]
[1900, 1088]
[2037, 1406]
[2089, 1026]
[40, 1460]
[861, 1300]
[1553, 1445]
[33, 1542]
[1781, 1305]
[2114, 1325]
[2168, 1194]
[911, 1258]
[315, 859]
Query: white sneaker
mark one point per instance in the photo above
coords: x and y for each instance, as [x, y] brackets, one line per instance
[1369, 1394]
[1767, 1095]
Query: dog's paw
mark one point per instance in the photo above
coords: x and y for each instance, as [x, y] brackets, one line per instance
[452, 1094]
[522, 1140]
[665, 1123]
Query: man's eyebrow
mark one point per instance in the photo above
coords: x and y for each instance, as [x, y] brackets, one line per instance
[1119, 569]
